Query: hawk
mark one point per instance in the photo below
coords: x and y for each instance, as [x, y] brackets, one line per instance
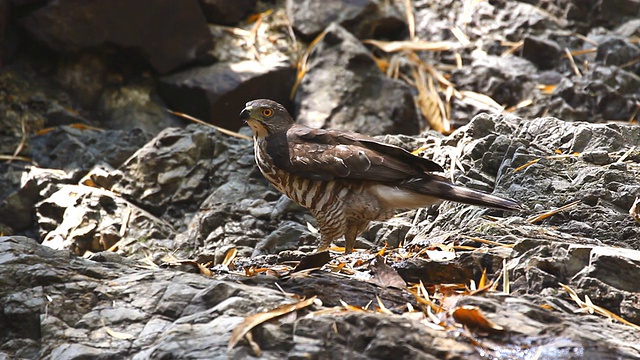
[347, 179]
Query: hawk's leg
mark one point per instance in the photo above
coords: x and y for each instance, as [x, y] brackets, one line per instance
[331, 223]
[354, 228]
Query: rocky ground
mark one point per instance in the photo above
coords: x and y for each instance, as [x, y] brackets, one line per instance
[129, 232]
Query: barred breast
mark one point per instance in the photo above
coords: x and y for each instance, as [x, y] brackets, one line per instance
[314, 195]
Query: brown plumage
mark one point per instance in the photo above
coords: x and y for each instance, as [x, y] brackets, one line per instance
[347, 179]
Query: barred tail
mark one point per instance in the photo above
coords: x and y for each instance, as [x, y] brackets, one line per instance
[448, 191]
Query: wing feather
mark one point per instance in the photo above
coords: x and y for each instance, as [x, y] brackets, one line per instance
[319, 154]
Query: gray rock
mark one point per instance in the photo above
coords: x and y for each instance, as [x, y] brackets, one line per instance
[546, 54]
[72, 26]
[363, 18]
[82, 218]
[344, 88]
[226, 12]
[78, 150]
[169, 174]
[217, 93]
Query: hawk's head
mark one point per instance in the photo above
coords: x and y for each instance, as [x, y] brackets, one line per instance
[266, 117]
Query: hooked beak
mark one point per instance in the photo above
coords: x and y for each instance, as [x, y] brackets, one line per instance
[245, 114]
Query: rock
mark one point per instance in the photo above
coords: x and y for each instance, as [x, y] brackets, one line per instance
[546, 54]
[17, 209]
[226, 12]
[169, 173]
[364, 18]
[288, 236]
[70, 25]
[81, 219]
[616, 51]
[136, 107]
[504, 79]
[77, 150]
[344, 88]
[217, 93]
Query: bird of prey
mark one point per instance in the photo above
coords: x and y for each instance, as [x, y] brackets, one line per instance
[347, 179]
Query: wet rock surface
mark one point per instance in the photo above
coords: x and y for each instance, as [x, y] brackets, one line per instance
[125, 233]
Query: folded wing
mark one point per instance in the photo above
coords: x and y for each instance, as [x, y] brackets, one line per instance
[328, 154]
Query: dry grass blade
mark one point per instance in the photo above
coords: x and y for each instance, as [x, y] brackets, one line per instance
[582, 52]
[408, 45]
[461, 36]
[513, 47]
[482, 99]
[520, 105]
[587, 305]
[627, 154]
[383, 309]
[23, 141]
[254, 320]
[10, 158]
[436, 74]
[254, 31]
[529, 163]
[552, 157]
[411, 19]
[303, 63]
[631, 62]
[489, 242]
[429, 102]
[540, 217]
[506, 284]
[198, 121]
[125, 221]
[572, 62]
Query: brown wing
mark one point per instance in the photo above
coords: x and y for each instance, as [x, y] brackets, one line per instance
[329, 154]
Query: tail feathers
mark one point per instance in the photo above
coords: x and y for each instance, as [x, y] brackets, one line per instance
[448, 191]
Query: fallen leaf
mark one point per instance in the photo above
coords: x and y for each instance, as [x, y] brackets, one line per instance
[472, 317]
[254, 320]
[230, 255]
[313, 261]
[384, 275]
[116, 334]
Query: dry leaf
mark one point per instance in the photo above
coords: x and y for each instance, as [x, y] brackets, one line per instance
[230, 255]
[483, 279]
[587, 305]
[385, 276]
[471, 317]
[313, 261]
[440, 256]
[254, 320]
[204, 270]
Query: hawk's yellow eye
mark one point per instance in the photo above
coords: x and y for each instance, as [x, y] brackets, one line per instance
[267, 112]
